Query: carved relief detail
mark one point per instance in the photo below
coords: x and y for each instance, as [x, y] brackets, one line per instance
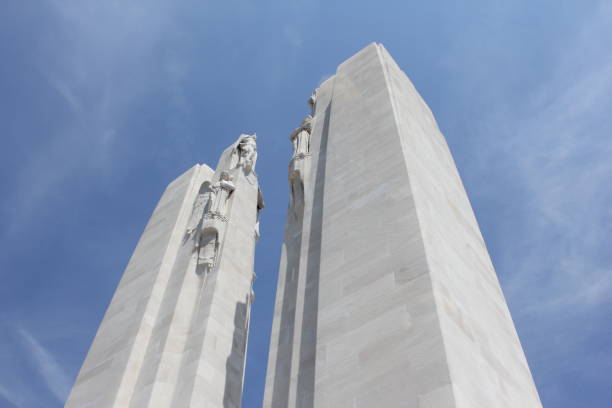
[213, 216]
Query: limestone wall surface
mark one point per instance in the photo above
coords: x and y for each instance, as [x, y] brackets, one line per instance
[175, 333]
[386, 293]
[108, 375]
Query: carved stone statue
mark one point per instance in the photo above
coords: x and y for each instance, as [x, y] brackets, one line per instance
[247, 151]
[301, 138]
[220, 194]
[312, 102]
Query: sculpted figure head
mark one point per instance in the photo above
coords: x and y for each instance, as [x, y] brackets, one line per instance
[312, 102]
[307, 124]
[225, 176]
[247, 151]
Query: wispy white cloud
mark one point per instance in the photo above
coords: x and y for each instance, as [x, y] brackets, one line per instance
[536, 162]
[563, 163]
[67, 93]
[51, 372]
[552, 231]
[97, 62]
[30, 374]
[293, 36]
[10, 396]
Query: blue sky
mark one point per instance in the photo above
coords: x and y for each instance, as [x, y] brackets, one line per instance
[103, 103]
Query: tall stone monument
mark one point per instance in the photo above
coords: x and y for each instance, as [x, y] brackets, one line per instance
[386, 294]
[175, 333]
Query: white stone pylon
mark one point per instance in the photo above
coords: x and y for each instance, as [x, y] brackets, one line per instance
[386, 295]
[175, 333]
